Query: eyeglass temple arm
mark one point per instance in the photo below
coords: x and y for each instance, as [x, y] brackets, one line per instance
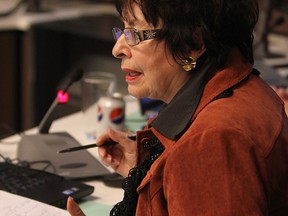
[141, 35]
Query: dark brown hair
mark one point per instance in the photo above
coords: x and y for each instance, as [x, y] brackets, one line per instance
[222, 24]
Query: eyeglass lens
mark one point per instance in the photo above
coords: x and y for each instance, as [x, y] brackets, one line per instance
[130, 35]
[116, 33]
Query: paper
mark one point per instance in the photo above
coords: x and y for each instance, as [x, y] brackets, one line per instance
[14, 205]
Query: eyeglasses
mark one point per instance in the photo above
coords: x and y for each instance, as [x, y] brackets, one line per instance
[134, 36]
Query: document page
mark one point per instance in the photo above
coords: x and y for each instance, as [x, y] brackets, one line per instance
[14, 205]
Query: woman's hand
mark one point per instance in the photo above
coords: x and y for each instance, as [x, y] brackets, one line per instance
[122, 156]
[73, 208]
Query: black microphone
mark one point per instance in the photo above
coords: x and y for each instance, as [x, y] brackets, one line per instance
[50, 115]
[74, 77]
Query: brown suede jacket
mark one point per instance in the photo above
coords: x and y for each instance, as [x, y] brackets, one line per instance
[231, 161]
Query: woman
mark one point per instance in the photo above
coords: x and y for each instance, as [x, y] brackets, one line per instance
[219, 145]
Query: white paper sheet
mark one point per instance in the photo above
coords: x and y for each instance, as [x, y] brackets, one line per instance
[13, 205]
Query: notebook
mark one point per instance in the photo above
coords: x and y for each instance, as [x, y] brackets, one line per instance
[40, 185]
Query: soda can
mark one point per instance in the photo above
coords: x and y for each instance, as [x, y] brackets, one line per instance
[110, 113]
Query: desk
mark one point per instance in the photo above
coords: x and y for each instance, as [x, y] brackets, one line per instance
[104, 197]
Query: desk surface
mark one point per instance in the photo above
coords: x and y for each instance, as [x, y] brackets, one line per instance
[103, 197]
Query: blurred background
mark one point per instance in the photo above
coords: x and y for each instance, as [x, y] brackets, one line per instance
[43, 41]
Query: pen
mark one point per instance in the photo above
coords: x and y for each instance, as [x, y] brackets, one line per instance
[108, 142]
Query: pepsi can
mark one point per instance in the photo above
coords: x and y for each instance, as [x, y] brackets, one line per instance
[110, 113]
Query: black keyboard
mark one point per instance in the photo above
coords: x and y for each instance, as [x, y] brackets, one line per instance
[17, 179]
[41, 185]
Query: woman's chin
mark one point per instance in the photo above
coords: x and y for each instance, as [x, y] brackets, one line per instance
[133, 91]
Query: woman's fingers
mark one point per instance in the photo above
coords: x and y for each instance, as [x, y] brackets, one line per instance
[73, 208]
[120, 157]
[123, 139]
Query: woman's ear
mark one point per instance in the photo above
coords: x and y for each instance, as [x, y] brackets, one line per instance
[196, 54]
[197, 36]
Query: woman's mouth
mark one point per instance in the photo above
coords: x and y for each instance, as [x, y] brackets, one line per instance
[132, 75]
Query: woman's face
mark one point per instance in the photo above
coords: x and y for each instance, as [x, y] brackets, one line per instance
[150, 70]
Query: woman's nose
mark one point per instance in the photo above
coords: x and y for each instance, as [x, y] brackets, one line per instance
[121, 48]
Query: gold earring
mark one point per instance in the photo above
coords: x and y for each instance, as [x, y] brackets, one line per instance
[188, 63]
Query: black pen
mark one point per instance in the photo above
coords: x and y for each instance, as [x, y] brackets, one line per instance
[108, 142]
